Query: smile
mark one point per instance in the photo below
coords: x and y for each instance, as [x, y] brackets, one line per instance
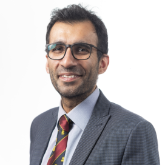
[71, 76]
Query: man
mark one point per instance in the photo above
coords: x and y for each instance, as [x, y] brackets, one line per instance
[86, 128]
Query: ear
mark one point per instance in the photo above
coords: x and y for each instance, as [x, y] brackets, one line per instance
[103, 64]
[47, 65]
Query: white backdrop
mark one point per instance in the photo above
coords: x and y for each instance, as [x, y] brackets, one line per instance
[135, 78]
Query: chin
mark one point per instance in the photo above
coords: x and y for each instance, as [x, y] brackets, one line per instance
[70, 92]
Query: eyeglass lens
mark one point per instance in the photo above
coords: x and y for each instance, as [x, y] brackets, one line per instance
[80, 51]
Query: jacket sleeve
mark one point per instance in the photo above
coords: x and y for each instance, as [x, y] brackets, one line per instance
[142, 146]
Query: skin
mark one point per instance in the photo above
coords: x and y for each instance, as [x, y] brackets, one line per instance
[74, 90]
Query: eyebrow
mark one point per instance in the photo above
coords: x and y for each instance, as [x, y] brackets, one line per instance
[77, 42]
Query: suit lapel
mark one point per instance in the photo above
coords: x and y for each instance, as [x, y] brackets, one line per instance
[43, 135]
[93, 130]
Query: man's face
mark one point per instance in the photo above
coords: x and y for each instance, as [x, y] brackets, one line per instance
[69, 76]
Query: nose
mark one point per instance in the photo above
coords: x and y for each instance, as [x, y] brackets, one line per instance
[68, 61]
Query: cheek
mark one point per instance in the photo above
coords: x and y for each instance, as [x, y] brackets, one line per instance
[53, 65]
[87, 66]
[94, 62]
[90, 67]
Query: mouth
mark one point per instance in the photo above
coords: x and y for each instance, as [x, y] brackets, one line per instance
[69, 77]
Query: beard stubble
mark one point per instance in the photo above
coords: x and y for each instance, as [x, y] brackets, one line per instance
[71, 90]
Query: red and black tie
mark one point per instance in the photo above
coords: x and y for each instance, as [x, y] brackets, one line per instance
[58, 154]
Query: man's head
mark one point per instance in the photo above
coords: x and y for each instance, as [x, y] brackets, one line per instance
[72, 77]
[77, 13]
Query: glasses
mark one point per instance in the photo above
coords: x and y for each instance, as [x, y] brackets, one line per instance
[80, 51]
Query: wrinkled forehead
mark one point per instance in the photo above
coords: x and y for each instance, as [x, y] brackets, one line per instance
[70, 33]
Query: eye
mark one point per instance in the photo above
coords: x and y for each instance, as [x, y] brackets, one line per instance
[58, 48]
[81, 49]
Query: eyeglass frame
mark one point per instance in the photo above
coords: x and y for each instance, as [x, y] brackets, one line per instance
[70, 46]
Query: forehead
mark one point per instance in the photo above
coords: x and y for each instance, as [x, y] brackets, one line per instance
[70, 33]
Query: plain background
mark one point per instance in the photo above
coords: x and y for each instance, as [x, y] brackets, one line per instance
[135, 77]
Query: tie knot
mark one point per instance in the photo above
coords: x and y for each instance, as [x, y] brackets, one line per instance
[64, 123]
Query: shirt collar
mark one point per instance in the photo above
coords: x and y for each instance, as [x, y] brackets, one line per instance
[81, 114]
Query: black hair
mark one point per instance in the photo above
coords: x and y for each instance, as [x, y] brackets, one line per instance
[78, 13]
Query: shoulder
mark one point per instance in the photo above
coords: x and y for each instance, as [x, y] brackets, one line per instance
[120, 117]
[48, 113]
[125, 120]
[124, 123]
[124, 114]
[51, 113]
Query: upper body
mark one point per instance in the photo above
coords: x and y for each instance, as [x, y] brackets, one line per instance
[113, 136]
[77, 47]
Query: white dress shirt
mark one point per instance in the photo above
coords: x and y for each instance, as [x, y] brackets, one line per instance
[80, 116]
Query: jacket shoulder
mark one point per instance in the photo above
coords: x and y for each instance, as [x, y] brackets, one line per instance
[53, 112]
[124, 118]
[45, 114]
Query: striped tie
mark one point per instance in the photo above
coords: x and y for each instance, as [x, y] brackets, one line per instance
[58, 153]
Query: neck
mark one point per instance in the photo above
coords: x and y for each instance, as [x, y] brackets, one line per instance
[69, 103]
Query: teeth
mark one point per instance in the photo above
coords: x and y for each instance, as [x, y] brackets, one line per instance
[71, 76]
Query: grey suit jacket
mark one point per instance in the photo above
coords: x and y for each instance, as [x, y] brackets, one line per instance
[113, 136]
